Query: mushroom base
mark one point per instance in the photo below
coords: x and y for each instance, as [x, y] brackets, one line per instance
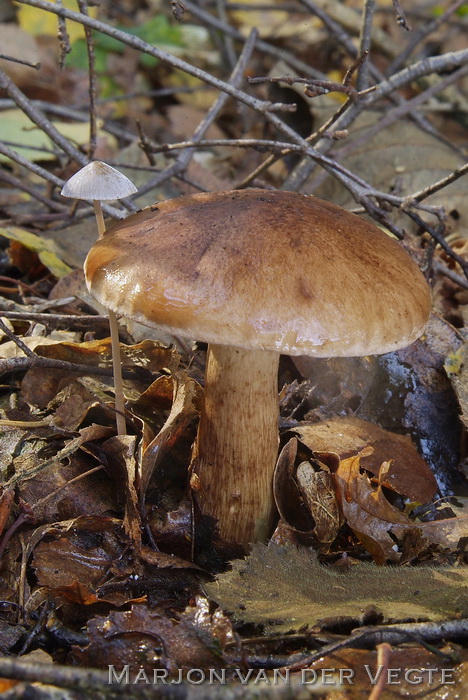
[238, 442]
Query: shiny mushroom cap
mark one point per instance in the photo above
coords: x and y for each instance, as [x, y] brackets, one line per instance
[98, 181]
[262, 269]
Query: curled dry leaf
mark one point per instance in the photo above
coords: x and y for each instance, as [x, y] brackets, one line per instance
[408, 474]
[318, 492]
[185, 407]
[41, 385]
[121, 452]
[305, 497]
[378, 524]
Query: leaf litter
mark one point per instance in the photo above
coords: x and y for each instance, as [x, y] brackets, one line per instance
[104, 551]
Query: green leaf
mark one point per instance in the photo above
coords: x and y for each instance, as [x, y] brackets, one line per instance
[284, 588]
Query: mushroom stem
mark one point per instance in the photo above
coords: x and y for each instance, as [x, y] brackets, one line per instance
[238, 441]
[115, 345]
[119, 400]
[101, 226]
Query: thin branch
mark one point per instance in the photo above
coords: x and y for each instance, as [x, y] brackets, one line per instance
[33, 191]
[365, 43]
[21, 61]
[211, 21]
[77, 322]
[420, 34]
[439, 185]
[317, 87]
[400, 16]
[83, 6]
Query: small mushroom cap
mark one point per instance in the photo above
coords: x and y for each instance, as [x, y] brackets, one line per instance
[98, 181]
[262, 269]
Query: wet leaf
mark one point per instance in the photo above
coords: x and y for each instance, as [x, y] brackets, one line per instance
[284, 588]
[145, 639]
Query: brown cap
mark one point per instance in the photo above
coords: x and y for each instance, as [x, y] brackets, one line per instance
[262, 269]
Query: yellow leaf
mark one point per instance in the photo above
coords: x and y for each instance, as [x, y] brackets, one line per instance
[36, 21]
[42, 246]
[17, 128]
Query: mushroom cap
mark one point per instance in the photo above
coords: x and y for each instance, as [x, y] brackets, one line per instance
[98, 181]
[262, 269]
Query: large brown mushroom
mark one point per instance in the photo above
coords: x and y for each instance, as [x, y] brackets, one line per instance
[256, 273]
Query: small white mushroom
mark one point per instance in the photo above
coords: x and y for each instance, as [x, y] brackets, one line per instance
[99, 182]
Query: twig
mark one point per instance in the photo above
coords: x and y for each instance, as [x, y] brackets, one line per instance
[13, 59]
[393, 634]
[12, 336]
[436, 186]
[26, 187]
[362, 81]
[442, 269]
[21, 364]
[317, 87]
[83, 6]
[64, 39]
[433, 64]
[261, 145]
[229, 49]
[383, 661]
[400, 16]
[419, 34]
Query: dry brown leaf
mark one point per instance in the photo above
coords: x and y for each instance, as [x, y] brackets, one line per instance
[319, 495]
[185, 407]
[373, 518]
[367, 511]
[408, 474]
[7, 498]
[121, 452]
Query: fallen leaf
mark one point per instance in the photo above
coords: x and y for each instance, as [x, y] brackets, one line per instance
[319, 495]
[185, 407]
[408, 475]
[285, 588]
[377, 524]
[144, 639]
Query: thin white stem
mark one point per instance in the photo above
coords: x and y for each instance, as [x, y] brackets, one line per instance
[117, 367]
[115, 345]
[99, 217]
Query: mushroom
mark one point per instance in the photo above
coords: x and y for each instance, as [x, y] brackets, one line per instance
[256, 273]
[98, 182]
